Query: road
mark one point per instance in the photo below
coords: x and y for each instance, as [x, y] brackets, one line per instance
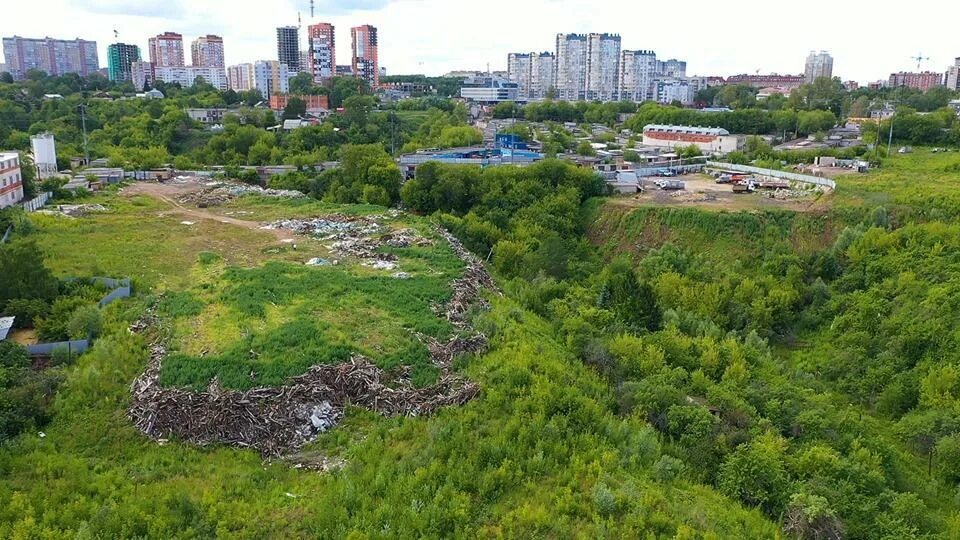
[169, 193]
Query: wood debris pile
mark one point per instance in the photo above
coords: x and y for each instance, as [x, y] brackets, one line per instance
[276, 420]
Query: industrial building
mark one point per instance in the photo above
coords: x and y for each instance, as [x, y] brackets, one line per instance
[11, 181]
[481, 156]
[44, 155]
[707, 139]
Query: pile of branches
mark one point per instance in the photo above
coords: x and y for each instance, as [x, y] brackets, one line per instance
[466, 289]
[277, 420]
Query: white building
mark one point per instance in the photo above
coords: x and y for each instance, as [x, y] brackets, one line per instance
[520, 71]
[672, 68]
[708, 139]
[240, 77]
[489, 89]
[44, 155]
[637, 72]
[953, 76]
[818, 65]
[271, 77]
[543, 74]
[603, 67]
[11, 182]
[187, 75]
[571, 66]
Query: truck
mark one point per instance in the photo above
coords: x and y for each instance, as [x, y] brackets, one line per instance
[744, 187]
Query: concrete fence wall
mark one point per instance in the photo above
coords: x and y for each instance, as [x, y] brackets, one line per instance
[120, 288]
[6, 235]
[38, 202]
[805, 178]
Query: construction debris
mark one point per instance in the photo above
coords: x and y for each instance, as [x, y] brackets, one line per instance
[73, 210]
[277, 420]
[217, 193]
[317, 261]
[699, 196]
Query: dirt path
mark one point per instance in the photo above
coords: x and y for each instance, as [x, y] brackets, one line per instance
[169, 193]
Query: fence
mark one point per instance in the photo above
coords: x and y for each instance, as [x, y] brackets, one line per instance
[805, 178]
[38, 202]
[120, 289]
[6, 235]
[75, 346]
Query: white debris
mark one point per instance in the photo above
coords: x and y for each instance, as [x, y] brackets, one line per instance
[401, 275]
[186, 223]
[317, 261]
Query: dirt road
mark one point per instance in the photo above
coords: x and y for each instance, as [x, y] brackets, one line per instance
[169, 193]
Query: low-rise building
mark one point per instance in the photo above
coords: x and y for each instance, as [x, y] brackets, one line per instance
[468, 156]
[707, 139]
[11, 179]
[278, 102]
[489, 89]
[207, 116]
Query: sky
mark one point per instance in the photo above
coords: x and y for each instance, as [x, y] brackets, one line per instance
[437, 36]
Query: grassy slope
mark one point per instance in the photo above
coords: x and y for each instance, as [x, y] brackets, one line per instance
[537, 454]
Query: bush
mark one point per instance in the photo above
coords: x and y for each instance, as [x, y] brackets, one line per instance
[667, 468]
[26, 310]
[60, 356]
[86, 322]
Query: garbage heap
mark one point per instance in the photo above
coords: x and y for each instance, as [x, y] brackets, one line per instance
[279, 420]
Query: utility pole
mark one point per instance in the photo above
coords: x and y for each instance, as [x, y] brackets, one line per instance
[83, 123]
[890, 139]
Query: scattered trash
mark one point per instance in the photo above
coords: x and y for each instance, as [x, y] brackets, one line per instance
[699, 196]
[291, 495]
[41, 434]
[317, 261]
[381, 265]
[74, 210]
[401, 275]
[217, 193]
[186, 223]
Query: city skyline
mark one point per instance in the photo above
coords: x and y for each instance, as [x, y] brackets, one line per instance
[713, 45]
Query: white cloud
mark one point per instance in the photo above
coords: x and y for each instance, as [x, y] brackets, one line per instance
[434, 36]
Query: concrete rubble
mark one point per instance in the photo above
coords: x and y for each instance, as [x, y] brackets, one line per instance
[217, 193]
[73, 210]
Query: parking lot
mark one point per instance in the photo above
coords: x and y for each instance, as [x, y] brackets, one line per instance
[702, 191]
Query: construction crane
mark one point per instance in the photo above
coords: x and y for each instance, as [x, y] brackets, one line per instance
[919, 58]
[116, 35]
[311, 9]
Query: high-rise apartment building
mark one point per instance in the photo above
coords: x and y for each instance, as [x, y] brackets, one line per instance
[638, 70]
[602, 67]
[53, 56]
[322, 51]
[119, 58]
[166, 50]
[543, 74]
[207, 51]
[288, 47]
[672, 68]
[519, 70]
[952, 79]
[571, 70]
[240, 77]
[819, 64]
[142, 75]
[365, 62]
[271, 77]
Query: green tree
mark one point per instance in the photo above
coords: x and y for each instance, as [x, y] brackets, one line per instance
[296, 107]
[24, 273]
